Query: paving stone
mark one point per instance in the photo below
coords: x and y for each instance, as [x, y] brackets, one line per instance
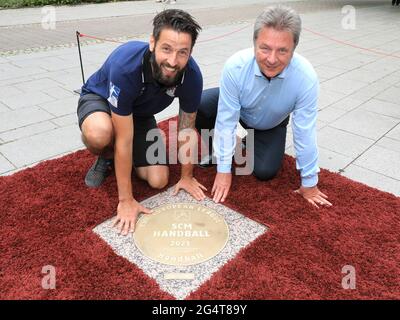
[42, 146]
[61, 107]
[331, 160]
[365, 123]
[15, 119]
[373, 179]
[382, 107]
[30, 99]
[5, 165]
[27, 131]
[381, 160]
[345, 143]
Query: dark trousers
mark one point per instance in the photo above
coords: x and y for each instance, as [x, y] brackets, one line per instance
[269, 145]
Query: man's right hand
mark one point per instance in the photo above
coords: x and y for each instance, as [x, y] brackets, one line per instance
[222, 184]
[127, 214]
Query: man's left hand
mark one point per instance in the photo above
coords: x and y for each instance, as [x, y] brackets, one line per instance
[314, 196]
[192, 186]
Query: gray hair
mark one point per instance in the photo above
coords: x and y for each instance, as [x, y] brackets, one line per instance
[280, 18]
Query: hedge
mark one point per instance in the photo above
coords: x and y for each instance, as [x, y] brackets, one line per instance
[7, 4]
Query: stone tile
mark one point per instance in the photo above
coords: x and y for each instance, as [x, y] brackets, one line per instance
[14, 81]
[366, 75]
[372, 179]
[393, 78]
[327, 98]
[382, 107]
[9, 91]
[61, 107]
[290, 151]
[390, 95]
[342, 142]
[5, 165]
[370, 91]
[365, 123]
[331, 160]
[169, 112]
[36, 85]
[4, 108]
[58, 92]
[328, 72]
[322, 59]
[387, 64]
[72, 80]
[27, 131]
[53, 75]
[350, 63]
[70, 119]
[343, 84]
[42, 146]
[289, 139]
[30, 99]
[48, 63]
[8, 71]
[330, 114]
[381, 160]
[16, 119]
[347, 104]
[389, 143]
[394, 133]
[16, 73]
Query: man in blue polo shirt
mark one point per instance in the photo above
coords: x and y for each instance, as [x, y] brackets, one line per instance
[118, 103]
[260, 88]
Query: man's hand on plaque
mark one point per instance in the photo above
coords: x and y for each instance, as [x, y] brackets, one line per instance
[127, 215]
[192, 186]
[222, 184]
[314, 196]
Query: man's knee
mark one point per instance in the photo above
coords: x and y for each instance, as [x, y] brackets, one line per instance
[265, 173]
[96, 138]
[158, 180]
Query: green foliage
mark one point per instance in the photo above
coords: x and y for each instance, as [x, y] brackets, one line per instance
[37, 3]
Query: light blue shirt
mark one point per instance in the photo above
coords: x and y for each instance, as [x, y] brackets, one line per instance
[245, 93]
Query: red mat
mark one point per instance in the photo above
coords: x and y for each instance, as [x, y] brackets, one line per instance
[47, 216]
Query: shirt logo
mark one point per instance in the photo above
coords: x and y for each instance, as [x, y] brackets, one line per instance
[171, 92]
[114, 94]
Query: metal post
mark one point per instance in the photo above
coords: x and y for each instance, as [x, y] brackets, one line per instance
[80, 55]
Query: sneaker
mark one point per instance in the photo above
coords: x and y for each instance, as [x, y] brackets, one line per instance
[98, 172]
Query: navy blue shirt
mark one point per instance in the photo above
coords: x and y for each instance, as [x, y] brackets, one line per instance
[126, 81]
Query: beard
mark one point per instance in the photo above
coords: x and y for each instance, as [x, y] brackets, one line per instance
[159, 76]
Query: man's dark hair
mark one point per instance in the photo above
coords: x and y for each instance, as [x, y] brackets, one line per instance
[177, 20]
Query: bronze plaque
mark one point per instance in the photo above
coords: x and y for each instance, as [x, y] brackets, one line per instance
[181, 234]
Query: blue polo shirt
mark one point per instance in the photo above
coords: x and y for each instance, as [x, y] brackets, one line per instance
[125, 80]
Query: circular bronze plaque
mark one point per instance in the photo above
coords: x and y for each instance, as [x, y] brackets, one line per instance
[181, 234]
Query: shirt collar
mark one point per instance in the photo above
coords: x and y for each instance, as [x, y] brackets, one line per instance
[147, 71]
[258, 72]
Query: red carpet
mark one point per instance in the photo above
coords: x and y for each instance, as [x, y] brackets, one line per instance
[48, 213]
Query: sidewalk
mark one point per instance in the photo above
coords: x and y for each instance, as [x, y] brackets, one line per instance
[359, 118]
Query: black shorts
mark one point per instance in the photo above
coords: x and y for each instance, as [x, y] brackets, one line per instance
[157, 155]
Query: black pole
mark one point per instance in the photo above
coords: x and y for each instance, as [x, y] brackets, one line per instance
[80, 55]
